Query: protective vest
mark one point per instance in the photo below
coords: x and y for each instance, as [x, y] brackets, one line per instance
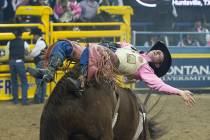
[16, 49]
[129, 61]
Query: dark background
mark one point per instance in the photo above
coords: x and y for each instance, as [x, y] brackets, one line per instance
[147, 18]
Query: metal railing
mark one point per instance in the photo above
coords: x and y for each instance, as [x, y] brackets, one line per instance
[170, 38]
[114, 30]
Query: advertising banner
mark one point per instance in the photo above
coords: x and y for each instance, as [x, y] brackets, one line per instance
[188, 71]
[6, 87]
[191, 2]
[153, 3]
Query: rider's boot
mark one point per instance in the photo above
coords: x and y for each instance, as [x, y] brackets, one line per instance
[78, 85]
[47, 74]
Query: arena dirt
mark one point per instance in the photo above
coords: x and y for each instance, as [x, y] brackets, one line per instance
[19, 122]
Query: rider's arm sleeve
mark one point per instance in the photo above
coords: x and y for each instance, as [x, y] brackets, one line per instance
[40, 45]
[147, 75]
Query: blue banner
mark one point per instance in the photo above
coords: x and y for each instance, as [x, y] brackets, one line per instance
[189, 73]
[190, 68]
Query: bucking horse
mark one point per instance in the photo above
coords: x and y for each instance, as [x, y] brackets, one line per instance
[103, 112]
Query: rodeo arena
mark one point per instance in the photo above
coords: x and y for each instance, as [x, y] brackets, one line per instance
[104, 70]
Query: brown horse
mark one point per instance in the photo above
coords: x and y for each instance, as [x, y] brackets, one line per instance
[91, 116]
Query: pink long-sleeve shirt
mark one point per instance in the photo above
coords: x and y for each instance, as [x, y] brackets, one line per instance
[146, 74]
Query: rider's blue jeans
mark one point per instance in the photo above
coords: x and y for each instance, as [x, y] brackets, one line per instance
[63, 49]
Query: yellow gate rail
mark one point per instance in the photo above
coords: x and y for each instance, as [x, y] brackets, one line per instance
[43, 11]
[55, 35]
[10, 36]
[123, 32]
[125, 12]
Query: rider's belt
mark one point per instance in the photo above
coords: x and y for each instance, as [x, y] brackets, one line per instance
[129, 61]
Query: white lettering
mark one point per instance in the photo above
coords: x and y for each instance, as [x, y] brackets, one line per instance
[194, 70]
[5, 85]
[186, 78]
[206, 2]
[205, 69]
[189, 75]
[189, 70]
[190, 2]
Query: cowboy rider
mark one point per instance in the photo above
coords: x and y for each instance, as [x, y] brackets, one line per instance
[147, 67]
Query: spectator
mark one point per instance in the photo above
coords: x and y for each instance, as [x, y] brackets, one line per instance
[202, 38]
[36, 53]
[17, 48]
[61, 11]
[67, 11]
[89, 10]
[188, 41]
[3, 5]
[75, 9]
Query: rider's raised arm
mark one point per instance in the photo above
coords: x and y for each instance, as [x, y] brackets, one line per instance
[147, 75]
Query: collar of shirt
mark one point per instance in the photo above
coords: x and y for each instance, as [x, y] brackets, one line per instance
[40, 38]
[145, 56]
